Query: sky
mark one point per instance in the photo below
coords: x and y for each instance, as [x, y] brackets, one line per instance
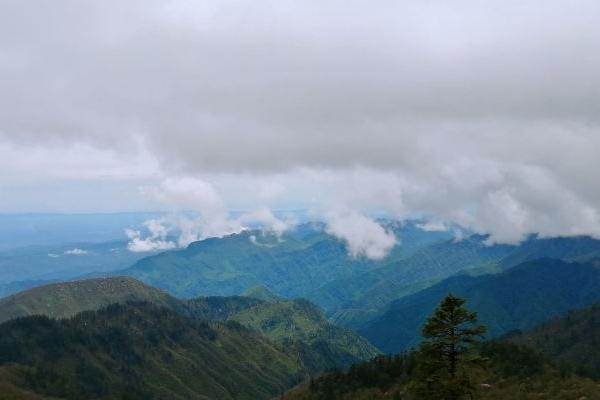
[482, 114]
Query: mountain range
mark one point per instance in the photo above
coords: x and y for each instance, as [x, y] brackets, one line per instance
[307, 262]
[294, 326]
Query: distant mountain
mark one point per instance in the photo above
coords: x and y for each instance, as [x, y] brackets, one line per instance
[60, 300]
[572, 339]
[573, 248]
[261, 293]
[354, 300]
[520, 298]
[291, 265]
[307, 262]
[55, 229]
[141, 351]
[64, 261]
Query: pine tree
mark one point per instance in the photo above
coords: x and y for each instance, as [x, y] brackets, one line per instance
[446, 353]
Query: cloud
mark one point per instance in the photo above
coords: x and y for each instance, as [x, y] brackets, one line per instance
[197, 212]
[264, 219]
[362, 235]
[433, 226]
[484, 114]
[75, 252]
[156, 239]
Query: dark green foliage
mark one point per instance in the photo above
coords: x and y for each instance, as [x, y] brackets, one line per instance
[519, 298]
[381, 373]
[511, 371]
[573, 340]
[218, 308]
[512, 361]
[296, 326]
[301, 329]
[447, 354]
[142, 351]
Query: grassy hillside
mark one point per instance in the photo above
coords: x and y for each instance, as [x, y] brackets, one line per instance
[573, 339]
[141, 351]
[519, 298]
[300, 328]
[66, 299]
[261, 293]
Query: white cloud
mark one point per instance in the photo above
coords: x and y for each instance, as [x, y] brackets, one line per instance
[75, 252]
[156, 239]
[426, 108]
[197, 212]
[433, 226]
[363, 236]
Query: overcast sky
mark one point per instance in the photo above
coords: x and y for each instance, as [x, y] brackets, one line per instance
[483, 113]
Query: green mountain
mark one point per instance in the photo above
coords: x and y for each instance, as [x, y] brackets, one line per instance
[574, 248]
[353, 301]
[295, 326]
[142, 351]
[300, 327]
[573, 339]
[519, 298]
[308, 263]
[292, 265]
[261, 293]
[60, 300]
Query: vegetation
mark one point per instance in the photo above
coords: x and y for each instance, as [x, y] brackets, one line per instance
[520, 298]
[572, 340]
[450, 364]
[296, 327]
[301, 329]
[308, 263]
[296, 265]
[141, 351]
[446, 355]
[60, 300]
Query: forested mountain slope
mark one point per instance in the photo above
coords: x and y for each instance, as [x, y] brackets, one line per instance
[142, 351]
[294, 326]
[520, 298]
[573, 339]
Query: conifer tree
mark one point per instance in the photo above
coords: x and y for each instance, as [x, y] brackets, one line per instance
[446, 353]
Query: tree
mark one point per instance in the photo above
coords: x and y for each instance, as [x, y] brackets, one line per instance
[446, 353]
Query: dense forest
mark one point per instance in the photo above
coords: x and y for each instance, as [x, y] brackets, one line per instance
[451, 364]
